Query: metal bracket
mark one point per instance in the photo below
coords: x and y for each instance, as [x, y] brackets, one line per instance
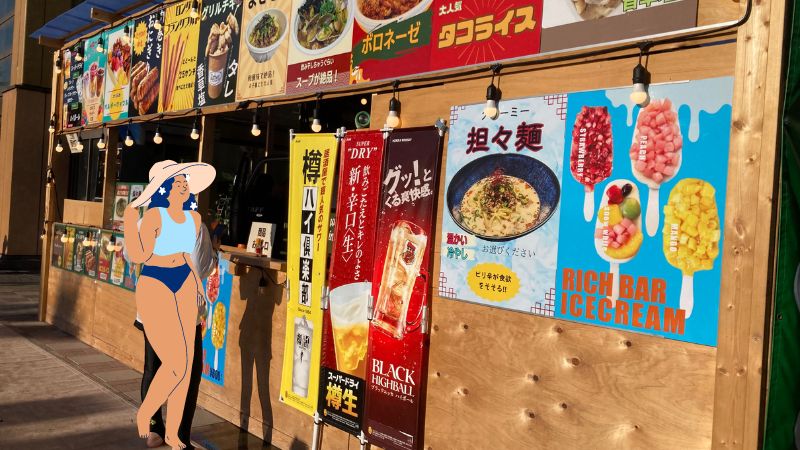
[362, 439]
[370, 307]
[326, 297]
[441, 125]
[425, 320]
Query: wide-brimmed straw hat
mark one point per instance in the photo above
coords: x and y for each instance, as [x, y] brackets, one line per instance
[198, 175]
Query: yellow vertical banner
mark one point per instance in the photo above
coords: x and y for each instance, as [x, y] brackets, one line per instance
[179, 58]
[312, 163]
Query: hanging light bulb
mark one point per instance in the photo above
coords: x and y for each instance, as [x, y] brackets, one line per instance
[157, 137]
[128, 136]
[64, 238]
[52, 127]
[493, 95]
[316, 125]
[256, 131]
[641, 80]
[364, 101]
[110, 247]
[100, 48]
[393, 119]
[101, 144]
[79, 55]
[157, 23]
[79, 145]
[58, 62]
[195, 134]
[194, 13]
[59, 147]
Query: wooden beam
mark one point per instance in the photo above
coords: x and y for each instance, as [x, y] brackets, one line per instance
[50, 42]
[102, 15]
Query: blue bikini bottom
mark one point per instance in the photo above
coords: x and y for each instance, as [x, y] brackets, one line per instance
[172, 277]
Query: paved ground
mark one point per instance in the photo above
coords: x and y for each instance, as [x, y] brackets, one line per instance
[58, 393]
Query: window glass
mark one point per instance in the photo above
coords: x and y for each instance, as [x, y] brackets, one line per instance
[6, 37]
[5, 71]
[6, 8]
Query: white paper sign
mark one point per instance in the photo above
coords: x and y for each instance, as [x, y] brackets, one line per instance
[265, 232]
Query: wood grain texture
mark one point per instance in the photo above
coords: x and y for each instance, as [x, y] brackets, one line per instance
[749, 229]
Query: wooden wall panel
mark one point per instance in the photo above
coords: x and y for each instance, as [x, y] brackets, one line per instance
[87, 214]
[71, 303]
[501, 379]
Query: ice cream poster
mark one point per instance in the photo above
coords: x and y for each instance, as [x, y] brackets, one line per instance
[397, 356]
[118, 70]
[577, 23]
[71, 114]
[642, 205]
[145, 75]
[345, 330]
[321, 35]
[502, 198]
[179, 58]
[93, 82]
[312, 163]
[264, 44]
[214, 323]
[218, 52]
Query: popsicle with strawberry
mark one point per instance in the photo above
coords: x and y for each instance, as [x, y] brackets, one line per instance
[592, 154]
[618, 233]
[656, 153]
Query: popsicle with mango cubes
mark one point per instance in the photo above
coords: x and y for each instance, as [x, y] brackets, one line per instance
[218, 330]
[691, 233]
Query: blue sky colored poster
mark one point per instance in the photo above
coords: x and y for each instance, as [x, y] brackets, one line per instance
[638, 224]
[214, 324]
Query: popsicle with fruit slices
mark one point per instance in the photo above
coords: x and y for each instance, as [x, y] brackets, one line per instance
[618, 234]
[592, 155]
[656, 153]
[691, 233]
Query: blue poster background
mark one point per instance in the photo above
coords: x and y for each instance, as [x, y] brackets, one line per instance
[214, 357]
[704, 116]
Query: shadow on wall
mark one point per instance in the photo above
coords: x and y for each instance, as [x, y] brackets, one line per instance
[255, 344]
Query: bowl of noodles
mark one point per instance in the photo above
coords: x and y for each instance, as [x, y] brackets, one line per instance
[265, 32]
[503, 197]
[372, 14]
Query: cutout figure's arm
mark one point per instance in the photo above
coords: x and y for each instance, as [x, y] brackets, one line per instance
[140, 241]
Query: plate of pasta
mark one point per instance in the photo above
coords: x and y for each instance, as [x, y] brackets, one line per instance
[503, 197]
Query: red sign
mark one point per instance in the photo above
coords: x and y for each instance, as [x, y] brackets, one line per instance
[346, 320]
[472, 32]
[398, 340]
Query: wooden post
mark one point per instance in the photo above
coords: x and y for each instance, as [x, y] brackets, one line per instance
[206, 155]
[750, 229]
[110, 180]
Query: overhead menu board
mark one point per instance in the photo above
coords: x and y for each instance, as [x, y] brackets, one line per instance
[145, 76]
[218, 52]
[263, 48]
[117, 83]
[93, 86]
[71, 105]
[179, 58]
[585, 207]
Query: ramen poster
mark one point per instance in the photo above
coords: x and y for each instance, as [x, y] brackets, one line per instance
[321, 35]
[263, 48]
[500, 232]
[214, 322]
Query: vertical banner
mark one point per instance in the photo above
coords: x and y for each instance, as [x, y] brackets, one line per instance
[93, 87]
[214, 325]
[105, 256]
[263, 48]
[72, 110]
[391, 39]
[322, 38]
[59, 236]
[312, 162]
[80, 243]
[118, 55]
[218, 52]
[398, 340]
[577, 23]
[500, 225]
[145, 75]
[345, 330]
[179, 58]
[472, 32]
[118, 263]
[69, 248]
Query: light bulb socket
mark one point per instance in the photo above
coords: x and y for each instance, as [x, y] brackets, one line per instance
[100, 45]
[640, 75]
[492, 93]
[58, 62]
[394, 105]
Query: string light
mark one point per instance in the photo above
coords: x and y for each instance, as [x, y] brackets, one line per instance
[59, 147]
[493, 95]
[78, 55]
[110, 247]
[52, 127]
[157, 137]
[101, 144]
[79, 145]
[194, 13]
[316, 125]
[195, 134]
[256, 131]
[364, 101]
[641, 79]
[100, 48]
[393, 119]
[128, 135]
[157, 23]
[58, 62]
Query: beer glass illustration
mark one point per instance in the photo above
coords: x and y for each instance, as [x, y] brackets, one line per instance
[301, 369]
[401, 268]
[350, 323]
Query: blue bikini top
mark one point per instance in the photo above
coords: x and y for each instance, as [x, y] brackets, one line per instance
[175, 237]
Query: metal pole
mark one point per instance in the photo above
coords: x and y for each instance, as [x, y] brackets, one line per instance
[316, 440]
